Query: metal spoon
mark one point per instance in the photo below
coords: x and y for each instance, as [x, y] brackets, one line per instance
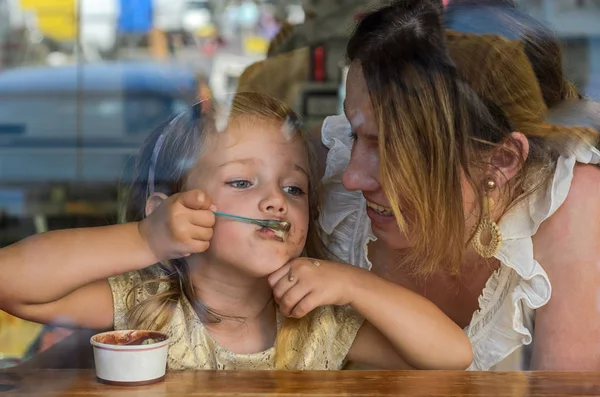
[268, 223]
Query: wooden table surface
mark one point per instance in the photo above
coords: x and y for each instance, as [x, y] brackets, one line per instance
[324, 383]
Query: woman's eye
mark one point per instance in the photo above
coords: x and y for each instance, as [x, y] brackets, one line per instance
[240, 184]
[293, 190]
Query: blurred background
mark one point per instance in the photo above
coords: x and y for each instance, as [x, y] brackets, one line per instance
[82, 82]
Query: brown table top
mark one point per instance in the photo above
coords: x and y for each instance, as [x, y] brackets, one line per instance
[42, 383]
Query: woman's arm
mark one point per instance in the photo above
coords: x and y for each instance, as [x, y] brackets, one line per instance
[567, 329]
[420, 334]
[403, 329]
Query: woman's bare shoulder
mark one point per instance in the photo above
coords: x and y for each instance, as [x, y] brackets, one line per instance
[572, 233]
[568, 247]
[586, 180]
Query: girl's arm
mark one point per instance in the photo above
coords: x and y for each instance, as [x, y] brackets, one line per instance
[402, 329]
[61, 276]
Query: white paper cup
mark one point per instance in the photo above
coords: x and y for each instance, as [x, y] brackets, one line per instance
[129, 364]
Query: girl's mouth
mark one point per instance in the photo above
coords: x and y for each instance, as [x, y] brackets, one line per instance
[272, 234]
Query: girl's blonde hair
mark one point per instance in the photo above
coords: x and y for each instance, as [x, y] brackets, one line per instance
[163, 165]
[442, 102]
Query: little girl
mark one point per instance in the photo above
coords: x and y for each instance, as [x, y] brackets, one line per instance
[230, 295]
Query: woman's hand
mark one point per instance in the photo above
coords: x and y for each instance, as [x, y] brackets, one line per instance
[304, 284]
[180, 225]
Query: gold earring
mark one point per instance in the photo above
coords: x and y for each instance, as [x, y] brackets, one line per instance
[487, 227]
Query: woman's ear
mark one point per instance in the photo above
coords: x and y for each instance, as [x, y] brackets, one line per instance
[508, 158]
[154, 201]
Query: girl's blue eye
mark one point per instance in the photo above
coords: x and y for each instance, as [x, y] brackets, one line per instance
[240, 184]
[352, 135]
[293, 190]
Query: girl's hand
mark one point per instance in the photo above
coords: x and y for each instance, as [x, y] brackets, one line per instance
[181, 225]
[304, 284]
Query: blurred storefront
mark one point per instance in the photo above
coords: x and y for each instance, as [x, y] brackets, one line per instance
[577, 22]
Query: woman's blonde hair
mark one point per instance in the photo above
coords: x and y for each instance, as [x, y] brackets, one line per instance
[442, 102]
[163, 165]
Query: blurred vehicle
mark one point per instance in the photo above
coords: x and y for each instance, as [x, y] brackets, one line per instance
[67, 135]
[83, 109]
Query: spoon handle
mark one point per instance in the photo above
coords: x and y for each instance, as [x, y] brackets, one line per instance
[259, 222]
[243, 219]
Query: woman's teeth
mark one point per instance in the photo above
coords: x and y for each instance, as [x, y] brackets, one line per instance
[380, 209]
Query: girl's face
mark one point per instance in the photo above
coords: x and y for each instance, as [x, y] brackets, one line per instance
[256, 170]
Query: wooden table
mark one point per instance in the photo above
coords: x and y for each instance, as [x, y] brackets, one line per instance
[41, 383]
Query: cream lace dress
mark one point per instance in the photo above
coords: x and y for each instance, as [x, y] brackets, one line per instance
[191, 346]
[507, 304]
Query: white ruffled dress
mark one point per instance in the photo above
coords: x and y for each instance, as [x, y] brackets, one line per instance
[507, 304]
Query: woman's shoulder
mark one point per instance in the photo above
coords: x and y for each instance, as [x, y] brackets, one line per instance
[572, 232]
[565, 213]
[585, 187]
[567, 245]
[558, 226]
[573, 200]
